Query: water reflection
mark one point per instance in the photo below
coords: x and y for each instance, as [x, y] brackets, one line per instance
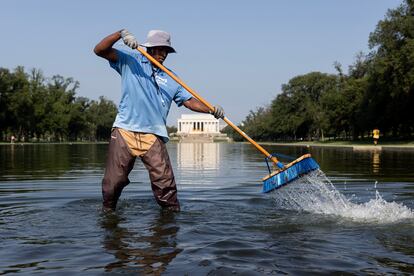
[147, 250]
[198, 155]
[39, 161]
[376, 161]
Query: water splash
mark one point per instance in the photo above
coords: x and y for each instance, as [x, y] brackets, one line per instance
[315, 193]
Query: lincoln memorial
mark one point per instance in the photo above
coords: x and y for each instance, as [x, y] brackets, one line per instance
[199, 127]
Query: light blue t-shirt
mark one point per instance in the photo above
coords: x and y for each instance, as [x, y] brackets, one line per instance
[147, 94]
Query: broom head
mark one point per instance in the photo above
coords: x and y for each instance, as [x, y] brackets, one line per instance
[289, 172]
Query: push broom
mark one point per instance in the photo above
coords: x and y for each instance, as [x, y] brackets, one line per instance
[283, 173]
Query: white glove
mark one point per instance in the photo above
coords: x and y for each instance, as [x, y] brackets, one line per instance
[218, 112]
[129, 39]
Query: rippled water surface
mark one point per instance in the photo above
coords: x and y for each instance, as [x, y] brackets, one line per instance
[356, 218]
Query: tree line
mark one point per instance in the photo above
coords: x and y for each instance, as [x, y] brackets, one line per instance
[36, 108]
[377, 91]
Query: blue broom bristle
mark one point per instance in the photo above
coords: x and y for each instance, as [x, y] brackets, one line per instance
[284, 177]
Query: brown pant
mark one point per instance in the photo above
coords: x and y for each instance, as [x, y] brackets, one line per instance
[124, 147]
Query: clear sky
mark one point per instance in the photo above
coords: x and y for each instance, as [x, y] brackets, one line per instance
[234, 53]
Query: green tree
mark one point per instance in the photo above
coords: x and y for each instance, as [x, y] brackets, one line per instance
[298, 111]
[257, 125]
[34, 106]
[20, 105]
[6, 90]
[38, 94]
[61, 94]
[78, 127]
[390, 96]
[100, 116]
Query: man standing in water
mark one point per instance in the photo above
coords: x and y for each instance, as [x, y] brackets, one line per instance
[139, 129]
[375, 135]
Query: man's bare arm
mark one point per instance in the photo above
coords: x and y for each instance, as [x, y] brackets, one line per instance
[195, 105]
[104, 48]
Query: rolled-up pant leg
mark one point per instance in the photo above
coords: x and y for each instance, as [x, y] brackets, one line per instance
[158, 164]
[119, 164]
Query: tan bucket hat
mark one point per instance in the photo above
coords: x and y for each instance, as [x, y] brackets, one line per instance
[157, 38]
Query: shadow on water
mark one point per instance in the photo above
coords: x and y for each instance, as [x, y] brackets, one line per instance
[148, 250]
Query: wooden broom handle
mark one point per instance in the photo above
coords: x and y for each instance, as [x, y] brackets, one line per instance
[198, 97]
